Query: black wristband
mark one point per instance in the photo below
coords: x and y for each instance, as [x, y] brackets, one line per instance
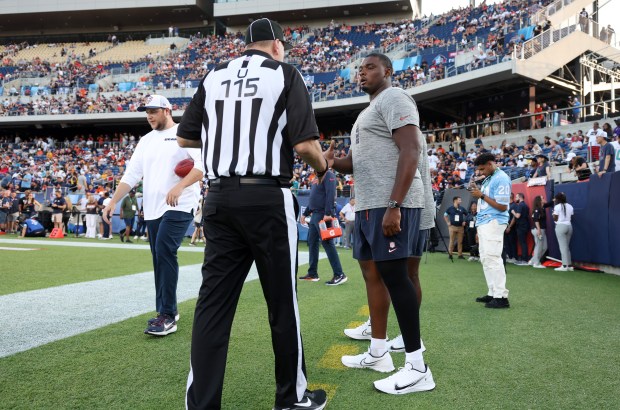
[482, 197]
[320, 174]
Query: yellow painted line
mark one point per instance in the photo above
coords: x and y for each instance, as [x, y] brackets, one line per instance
[353, 325]
[364, 311]
[330, 389]
[332, 358]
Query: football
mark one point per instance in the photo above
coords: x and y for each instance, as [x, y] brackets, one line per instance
[183, 167]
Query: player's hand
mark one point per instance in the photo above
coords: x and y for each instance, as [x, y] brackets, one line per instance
[328, 154]
[173, 196]
[302, 220]
[476, 193]
[391, 222]
[108, 211]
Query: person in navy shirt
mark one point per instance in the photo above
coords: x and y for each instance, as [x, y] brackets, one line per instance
[492, 219]
[520, 223]
[607, 156]
[322, 196]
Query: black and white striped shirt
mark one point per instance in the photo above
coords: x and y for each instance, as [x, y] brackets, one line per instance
[249, 113]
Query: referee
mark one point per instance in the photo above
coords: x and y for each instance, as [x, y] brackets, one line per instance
[248, 115]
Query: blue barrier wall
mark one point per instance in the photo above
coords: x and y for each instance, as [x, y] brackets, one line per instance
[596, 222]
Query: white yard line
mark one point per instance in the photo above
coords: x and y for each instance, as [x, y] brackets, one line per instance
[42, 316]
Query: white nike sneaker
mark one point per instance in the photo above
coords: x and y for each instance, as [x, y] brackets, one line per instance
[397, 345]
[362, 332]
[407, 380]
[365, 360]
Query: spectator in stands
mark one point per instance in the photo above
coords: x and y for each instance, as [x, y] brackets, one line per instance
[58, 206]
[579, 166]
[455, 219]
[607, 158]
[583, 20]
[608, 130]
[539, 224]
[593, 146]
[543, 169]
[562, 214]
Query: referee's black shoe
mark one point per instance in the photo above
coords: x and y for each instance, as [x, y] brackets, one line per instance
[313, 400]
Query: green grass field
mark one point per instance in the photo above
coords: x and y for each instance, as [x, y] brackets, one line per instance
[555, 348]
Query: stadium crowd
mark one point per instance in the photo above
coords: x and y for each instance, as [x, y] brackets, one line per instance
[485, 29]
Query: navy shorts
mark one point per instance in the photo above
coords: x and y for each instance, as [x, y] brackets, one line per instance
[371, 244]
[418, 251]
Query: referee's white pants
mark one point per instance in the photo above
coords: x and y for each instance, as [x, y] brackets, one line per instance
[491, 243]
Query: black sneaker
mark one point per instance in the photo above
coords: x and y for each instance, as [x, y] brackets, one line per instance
[313, 400]
[337, 280]
[498, 303]
[153, 320]
[309, 278]
[128, 240]
[162, 326]
[461, 257]
[122, 237]
[484, 299]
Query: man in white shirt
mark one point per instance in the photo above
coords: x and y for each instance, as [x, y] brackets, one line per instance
[462, 167]
[169, 203]
[593, 146]
[433, 160]
[347, 213]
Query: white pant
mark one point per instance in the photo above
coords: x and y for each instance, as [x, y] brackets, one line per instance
[91, 225]
[491, 243]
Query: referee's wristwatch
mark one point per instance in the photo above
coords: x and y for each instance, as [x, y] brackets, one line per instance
[393, 204]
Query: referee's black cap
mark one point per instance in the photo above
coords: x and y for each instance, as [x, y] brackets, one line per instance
[265, 29]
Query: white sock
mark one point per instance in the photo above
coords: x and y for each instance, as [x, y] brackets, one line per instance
[378, 347]
[416, 359]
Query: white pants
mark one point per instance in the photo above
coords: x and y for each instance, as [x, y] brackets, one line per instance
[491, 243]
[91, 225]
[540, 246]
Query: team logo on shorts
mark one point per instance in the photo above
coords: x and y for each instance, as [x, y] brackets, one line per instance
[392, 247]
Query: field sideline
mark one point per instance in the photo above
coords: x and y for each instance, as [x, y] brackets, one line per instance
[557, 347]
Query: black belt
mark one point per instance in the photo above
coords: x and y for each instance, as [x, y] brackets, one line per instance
[254, 180]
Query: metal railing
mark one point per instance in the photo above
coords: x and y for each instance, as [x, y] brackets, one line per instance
[551, 118]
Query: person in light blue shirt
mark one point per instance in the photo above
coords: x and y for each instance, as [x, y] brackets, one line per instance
[492, 220]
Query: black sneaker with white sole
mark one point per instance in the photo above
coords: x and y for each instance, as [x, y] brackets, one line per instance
[337, 280]
[312, 400]
[163, 325]
[154, 319]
